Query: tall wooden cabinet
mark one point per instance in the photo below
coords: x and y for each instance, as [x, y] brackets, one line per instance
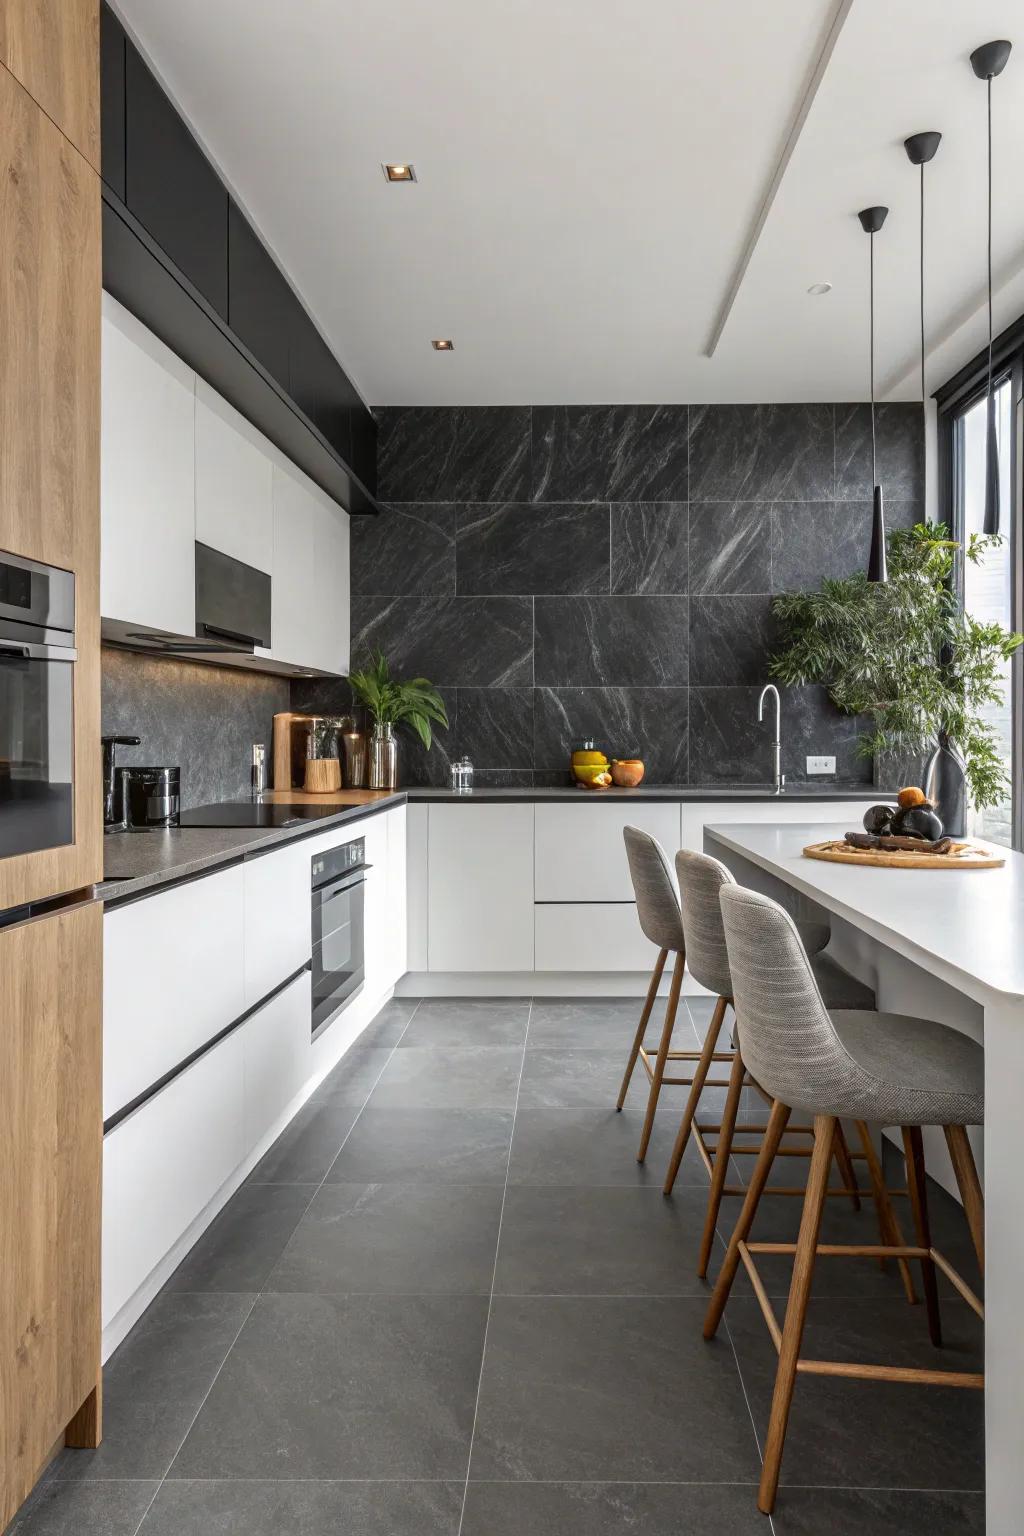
[50, 965]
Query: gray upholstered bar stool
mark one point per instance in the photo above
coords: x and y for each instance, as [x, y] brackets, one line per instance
[885, 1068]
[700, 880]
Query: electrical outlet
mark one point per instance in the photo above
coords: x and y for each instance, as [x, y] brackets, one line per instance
[821, 765]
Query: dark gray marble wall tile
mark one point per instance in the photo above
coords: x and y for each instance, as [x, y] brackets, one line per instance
[628, 722]
[609, 452]
[899, 432]
[201, 719]
[730, 546]
[761, 452]
[813, 540]
[649, 552]
[495, 727]
[730, 638]
[409, 548]
[727, 744]
[454, 453]
[434, 768]
[518, 547]
[473, 642]
[813, 727]
[610, 641]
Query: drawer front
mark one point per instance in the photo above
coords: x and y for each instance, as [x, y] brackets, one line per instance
[278, 926]
[591, 936]
[843, 814]
[276, 1046]
[580, 853]
[172, 977]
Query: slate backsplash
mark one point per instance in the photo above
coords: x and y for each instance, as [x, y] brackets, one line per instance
[565, 571]
[204, 719]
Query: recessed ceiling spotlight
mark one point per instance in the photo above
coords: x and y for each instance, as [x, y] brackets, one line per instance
[443, 344]
[397, 172]
[819, 288]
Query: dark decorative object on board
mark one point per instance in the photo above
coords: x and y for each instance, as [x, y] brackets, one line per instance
[945, 784]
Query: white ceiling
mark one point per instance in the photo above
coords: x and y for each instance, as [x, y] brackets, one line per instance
[589, 171]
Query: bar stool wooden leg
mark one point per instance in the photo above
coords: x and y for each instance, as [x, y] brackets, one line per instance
[699, 1076]
[796, 1310]
[777, 1122]
[888, 1226]
[723, 1151]
[844, 1162]
[969, 1186]
[914, 1149]
[652, 993]
[663, 1048]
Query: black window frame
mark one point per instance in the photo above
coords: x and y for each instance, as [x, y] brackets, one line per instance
[953, 399]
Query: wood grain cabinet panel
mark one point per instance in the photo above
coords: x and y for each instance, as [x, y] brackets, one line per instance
[50, 426]
[50, 1156]
[52, 48]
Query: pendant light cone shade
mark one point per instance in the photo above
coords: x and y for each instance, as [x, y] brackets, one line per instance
[988, 61]
[871, 221]
[921, 148]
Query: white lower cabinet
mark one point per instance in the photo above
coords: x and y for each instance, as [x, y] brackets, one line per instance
[396, 916]
[480, 888]
[165, 1163]
[173, 975]
[278, 930]
[580, 852]
[591, 936]
[841, 813]
[275, 1057]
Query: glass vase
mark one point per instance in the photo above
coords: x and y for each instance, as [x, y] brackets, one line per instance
[383, 758]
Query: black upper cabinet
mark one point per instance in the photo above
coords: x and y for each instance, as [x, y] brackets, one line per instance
[172, 189]
[112, 65]
[261, 305]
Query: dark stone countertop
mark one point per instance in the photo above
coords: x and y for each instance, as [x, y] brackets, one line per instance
[136, 863]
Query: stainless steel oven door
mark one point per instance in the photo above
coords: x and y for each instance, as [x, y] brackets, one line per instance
[36, 748]
[338, 939]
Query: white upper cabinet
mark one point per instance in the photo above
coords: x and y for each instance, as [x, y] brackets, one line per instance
[234, 475]
[147, 564]
[331, 552]
[310, 621]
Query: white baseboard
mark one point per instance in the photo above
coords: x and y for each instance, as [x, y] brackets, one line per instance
[328, 1050]
[535, 984]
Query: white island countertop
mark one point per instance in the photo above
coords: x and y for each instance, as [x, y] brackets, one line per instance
[965, 926]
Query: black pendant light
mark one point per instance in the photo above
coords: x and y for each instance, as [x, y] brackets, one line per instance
[920, 148]
[987, 62]
[871, 221]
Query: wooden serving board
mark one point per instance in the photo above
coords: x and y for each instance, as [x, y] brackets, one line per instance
[960, 856]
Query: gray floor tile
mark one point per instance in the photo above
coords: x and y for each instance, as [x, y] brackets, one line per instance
[611, 1509]
[343, 1387]
[863, 1512]
[580, 1390]
[84, 1509]
[871, 1434]
[469, 1021]
[593, 1023]
[600, 1242]
[450, 1077]
[426, 1146]
[154, 1384]
[593, 1145]
[308, 1145]
[394, 1239]
[388, 1026]
[305, 1509]
[554, 1079]
[353, 1079]
[240, 1248]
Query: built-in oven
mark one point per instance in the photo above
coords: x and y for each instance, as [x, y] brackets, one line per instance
[338, 887]
[37, 739]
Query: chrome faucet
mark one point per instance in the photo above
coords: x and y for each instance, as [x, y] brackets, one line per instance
[778, 777]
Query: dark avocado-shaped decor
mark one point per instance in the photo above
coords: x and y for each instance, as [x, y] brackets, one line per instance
[917, 821]
[878, 819]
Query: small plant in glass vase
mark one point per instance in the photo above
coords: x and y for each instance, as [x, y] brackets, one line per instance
[389, 702]
[905, 654]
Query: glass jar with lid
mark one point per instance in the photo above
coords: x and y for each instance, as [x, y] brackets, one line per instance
[462, 776]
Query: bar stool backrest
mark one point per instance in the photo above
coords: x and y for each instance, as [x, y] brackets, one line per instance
[788, 1039]
[701, 878]
[657, 905]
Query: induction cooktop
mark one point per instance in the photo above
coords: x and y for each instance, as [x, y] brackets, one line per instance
[254, 813]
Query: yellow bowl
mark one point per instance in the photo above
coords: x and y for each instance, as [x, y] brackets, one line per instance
[586, 773]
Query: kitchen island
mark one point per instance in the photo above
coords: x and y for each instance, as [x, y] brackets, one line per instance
[949, 945]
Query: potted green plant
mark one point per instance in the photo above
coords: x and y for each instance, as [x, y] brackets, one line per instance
[905, 654]
[416, 702]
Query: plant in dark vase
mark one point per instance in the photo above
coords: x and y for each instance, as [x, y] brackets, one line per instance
[389, 703]
[905, 655]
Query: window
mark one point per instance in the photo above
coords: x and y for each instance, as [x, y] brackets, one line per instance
[992, 589]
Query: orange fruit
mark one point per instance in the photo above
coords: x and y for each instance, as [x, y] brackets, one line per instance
[911, 796]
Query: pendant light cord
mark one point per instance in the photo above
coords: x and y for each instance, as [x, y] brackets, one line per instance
[990, 241]
[871, 270]
[924, 397]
